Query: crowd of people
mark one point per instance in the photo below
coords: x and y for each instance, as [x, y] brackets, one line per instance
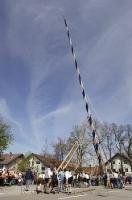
[114, 180]
[9, 177]
[62, 179]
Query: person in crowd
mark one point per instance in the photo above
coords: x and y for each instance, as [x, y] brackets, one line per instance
[108, 180]
[120, 183]
[6, 176]
[105, 179]
[84, 179]
[40, 182]
[41, 175]
[87, 179]
[19, 179]
[115, 179]
[48, 174]
[1, 178]
[68, 180]
[54, 181]
[48, 178]
[75, 180]
[28, 178]
[61, 180]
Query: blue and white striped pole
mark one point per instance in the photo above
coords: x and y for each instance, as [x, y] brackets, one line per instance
[90, 120]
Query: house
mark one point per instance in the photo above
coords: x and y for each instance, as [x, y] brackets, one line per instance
[10, 160]
[38, 163]
[119, 162]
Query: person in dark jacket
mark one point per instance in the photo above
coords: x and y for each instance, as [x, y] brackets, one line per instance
[28, 178]
[105, 179]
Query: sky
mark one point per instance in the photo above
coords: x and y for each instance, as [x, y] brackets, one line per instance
[40, 96]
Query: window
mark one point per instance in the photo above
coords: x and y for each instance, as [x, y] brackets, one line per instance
[1, 166]
[125, 162]
[43, 168]
[113, 161]
[126, 170]
[37, 162]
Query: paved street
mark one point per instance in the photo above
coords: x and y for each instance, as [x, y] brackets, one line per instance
[17, 193]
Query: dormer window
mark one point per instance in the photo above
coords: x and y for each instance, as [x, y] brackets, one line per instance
[37, 162]
[125, 162]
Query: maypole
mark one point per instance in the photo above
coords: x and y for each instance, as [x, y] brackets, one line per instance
[89, 115]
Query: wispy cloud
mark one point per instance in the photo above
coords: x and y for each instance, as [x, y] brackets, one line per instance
[6, 115]
[35, 36]
[60, 111]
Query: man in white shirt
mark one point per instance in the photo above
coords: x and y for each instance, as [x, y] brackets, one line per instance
[87, 179]
[48, 176]
[115, 175]
[48, 173]
[68, 177]
[67, 174]
[42, 175]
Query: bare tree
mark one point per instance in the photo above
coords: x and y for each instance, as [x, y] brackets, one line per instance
[108, 140]
[79, 133]
[60, 149]
[127, 144]
[119, 133]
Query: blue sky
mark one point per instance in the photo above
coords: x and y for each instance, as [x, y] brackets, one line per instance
[39, 91]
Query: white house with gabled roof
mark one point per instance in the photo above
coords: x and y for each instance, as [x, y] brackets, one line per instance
[116, 160]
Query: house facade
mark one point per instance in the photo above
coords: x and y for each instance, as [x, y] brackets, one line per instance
[10, 161]
[117, 162]
[38, 163]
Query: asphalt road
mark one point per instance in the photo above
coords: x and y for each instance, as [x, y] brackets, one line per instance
[97, 194]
